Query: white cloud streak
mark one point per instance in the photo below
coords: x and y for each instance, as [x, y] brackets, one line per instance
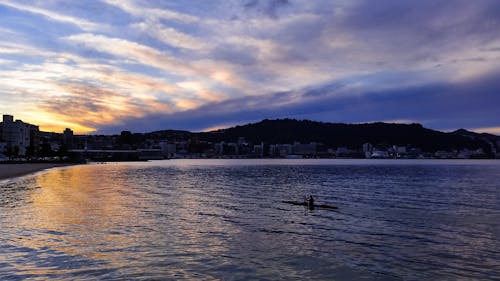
[81, 23]
[151, 13]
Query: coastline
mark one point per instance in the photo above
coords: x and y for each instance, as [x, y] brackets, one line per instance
[8, 171]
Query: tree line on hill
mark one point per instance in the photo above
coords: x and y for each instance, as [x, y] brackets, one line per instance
[343, 135]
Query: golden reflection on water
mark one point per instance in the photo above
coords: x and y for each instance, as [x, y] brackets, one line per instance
[99, 213]
[71, 197]
[78, 216]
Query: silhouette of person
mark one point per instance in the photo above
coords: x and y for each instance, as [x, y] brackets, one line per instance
[310, 202]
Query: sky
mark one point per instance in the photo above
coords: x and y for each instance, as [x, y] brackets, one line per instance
[111, 65]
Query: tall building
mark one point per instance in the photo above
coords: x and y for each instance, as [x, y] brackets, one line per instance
[34, 138]
[68, 138]
[17, 134]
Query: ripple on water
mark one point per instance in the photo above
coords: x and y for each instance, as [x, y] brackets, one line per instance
[225, 220]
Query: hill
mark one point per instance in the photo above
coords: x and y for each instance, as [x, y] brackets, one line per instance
[353, 135]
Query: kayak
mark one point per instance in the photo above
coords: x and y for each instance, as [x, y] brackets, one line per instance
[305, 204]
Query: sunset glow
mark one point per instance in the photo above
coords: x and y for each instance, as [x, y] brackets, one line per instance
[146, 65]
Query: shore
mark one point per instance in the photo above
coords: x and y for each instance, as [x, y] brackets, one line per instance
[16, 170]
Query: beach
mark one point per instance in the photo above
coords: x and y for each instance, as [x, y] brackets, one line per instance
[17, 170]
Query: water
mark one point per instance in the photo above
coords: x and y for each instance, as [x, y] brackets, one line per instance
[224, 219]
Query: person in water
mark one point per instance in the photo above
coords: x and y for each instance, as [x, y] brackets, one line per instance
[310, 202]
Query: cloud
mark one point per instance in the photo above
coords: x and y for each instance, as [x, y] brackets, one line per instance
[66, 86]
[490, 130]
[145, 55]
[170, 36]
[80, 23]
[268, 7]
[152, 13]
[426, 34]
[13, 48]
[206, 63]
[439, 106]
[94, 106]
[127, 49]
[363, 37]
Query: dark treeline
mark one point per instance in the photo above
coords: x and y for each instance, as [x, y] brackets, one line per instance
[341, 135]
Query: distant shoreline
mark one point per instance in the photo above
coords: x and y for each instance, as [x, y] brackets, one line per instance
[8, 171]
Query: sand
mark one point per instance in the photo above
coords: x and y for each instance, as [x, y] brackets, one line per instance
[17, 170]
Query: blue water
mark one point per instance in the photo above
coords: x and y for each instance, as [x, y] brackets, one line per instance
[224, 219]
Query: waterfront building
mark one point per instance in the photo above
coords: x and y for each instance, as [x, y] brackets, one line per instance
[284, 150]
[342, 151]
[168, 149]
[401, 151]
[219, 148]
[367, 149]
[242, 141]
[441, 154]
[150, 154]
[305, 149]
[3, 148]
[381, 154]
[258, 150]
[18, 135]
[68, 138]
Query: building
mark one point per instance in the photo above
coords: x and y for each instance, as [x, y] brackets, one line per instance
[380, 154]
[34, 139]
[283, 150]
[168, 149]
[367, 150]
[258, 150]
[305, 149]
[3, 147]
[401, 151]
[68, 138]
[18, 135]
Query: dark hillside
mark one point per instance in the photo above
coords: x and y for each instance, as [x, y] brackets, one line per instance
[348, 135]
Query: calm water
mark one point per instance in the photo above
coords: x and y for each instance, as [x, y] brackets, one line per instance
[223, 219]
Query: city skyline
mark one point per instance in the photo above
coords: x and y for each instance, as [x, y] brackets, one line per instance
[283, 138]
[107, 66]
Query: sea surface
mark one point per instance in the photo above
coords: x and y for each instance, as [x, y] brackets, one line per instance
[225, 219]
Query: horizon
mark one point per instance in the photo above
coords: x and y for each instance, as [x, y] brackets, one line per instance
[206, 65]
[255, 122]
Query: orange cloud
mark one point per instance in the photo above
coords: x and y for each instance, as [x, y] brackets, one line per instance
[185, 104]
[490, 130]
[85, 107]
[211, 96]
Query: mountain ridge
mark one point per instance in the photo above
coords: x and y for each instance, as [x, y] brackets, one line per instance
[274, 131]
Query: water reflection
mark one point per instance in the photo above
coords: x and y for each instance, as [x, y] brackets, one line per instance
[215, 220]
[75, 218]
